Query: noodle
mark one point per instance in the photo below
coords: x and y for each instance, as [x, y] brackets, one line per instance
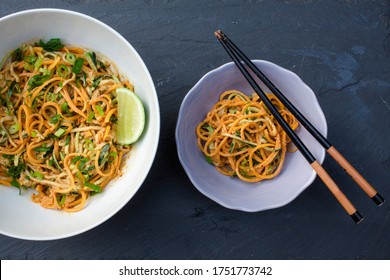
[240, 137]
[58, 117]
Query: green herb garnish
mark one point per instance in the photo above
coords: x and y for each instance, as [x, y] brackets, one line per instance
[55, 119]
[77, 66]
[16, 55]
[43, 149]
[16, 184]
[14, 171]
[38, 80]
[53, 44]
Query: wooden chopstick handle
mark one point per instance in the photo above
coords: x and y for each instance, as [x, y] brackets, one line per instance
[364, 185]
[343, 200]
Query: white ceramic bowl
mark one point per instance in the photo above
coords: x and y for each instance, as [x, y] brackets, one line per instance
[233, 193]
[21, 218]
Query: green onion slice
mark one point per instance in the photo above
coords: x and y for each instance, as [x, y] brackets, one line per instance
[60, 132]
[38, 62]
[90, 116]
[91, 59]
[100, 110]
[61, 201]
[93, 187]
[14, 128]
[62, 70]
[70, 57]
[37, 175]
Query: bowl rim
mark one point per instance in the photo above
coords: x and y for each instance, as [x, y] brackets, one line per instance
[157, 121]
[187, 168]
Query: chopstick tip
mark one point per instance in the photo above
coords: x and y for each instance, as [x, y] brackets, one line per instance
[218, 34]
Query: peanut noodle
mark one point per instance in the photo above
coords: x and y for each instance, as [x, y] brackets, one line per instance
[240, 137]
[58, 119]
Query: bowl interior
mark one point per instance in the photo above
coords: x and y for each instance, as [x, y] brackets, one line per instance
[233, 193]
[24, 219]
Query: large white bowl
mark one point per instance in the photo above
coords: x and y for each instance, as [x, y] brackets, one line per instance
[233, 193]
[19, 216]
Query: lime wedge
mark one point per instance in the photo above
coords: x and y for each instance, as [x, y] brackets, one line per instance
[131, 116]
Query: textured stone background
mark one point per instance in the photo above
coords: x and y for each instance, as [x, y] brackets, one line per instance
[339, 48]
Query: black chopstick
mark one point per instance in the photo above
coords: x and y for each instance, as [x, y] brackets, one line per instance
[355, 175]
[343, 200]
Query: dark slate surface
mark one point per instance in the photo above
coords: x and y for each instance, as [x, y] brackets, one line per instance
[339, 48]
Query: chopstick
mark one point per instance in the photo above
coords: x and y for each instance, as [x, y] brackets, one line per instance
[328, 181]
[337, 156]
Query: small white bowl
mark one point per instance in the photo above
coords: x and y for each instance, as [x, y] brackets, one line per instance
[19, 216]
[233, 193]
